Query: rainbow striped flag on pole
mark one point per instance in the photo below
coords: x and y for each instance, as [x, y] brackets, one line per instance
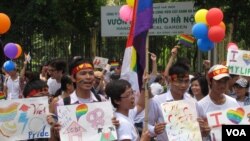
[186, 40]
[134, 57]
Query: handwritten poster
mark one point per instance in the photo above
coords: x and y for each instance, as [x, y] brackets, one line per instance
[181, 119]
[231, 116]
[238, 62]
[23, 119]
[100, 62]
[87, 122]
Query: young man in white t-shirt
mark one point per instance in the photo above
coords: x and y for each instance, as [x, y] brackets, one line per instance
[218, 77]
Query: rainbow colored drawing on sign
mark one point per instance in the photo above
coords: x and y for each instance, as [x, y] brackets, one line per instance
[8, 113]
[81, 110]
[235, 116]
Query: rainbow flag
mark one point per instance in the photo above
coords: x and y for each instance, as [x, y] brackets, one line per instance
[114, 64]
[134, 57]
[186, 40]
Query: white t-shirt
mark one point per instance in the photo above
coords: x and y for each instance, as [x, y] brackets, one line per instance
[206, 105]
[156, 88]
[53, 86]
[13, 88]
[127, 130]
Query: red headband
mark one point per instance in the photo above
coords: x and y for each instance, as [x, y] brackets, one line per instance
[34, 92]
[217, 72]
[81, 67]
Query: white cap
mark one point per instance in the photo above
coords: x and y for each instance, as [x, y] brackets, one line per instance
[218, 72]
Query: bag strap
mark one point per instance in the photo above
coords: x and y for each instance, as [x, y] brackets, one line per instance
[67, 100]
[97, 96]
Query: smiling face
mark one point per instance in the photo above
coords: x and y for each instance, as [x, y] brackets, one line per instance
[196, 88]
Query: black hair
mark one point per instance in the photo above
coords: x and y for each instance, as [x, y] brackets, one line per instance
[31, 75]
[158, 78]
[178, 68]
[183, 60]
[115, 89]
[203, 84]
[59, 65]
[64, 81]
[34, 85]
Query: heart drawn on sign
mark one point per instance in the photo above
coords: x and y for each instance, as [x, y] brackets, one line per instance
[235, 116]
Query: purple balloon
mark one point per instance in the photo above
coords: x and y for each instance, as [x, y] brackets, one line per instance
[10, 50]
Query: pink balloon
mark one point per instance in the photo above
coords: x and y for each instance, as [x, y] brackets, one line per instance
[214, 16]
[126, 13]
[216, 33]
[232, 46]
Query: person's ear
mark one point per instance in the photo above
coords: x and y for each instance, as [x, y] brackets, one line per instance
[117, 102]
[73, 78]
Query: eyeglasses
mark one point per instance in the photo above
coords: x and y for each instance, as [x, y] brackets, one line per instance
[129, 94]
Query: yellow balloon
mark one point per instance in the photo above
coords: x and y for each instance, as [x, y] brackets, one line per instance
[130, 2]
[200, 16]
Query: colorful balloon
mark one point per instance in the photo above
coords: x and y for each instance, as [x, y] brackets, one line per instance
[10, 50]
[214, 16]
[126, 13]
[130, 2]
[81, 110]
[4, 23]
[200, 30]
[232, 46]
[216, 34]
[222, 25]
[200, 16]
[9, 66]
[205, 44]
[19, 51]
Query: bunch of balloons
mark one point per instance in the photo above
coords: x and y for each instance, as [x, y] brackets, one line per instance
[126, 11]
[12, 51]
[209, 28]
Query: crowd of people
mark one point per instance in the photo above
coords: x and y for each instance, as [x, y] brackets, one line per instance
[211, 90]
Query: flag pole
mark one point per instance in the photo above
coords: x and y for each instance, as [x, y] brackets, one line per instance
[146, 87]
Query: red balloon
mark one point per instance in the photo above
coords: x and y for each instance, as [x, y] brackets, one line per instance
[214, 16]
[216, 33]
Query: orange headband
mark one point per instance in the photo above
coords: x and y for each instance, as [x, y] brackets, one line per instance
[81, 67]
[174, 77]
[217, 72]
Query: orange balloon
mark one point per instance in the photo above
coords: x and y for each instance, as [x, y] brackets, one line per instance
[222, 24]
[19, 51]
[4, 23]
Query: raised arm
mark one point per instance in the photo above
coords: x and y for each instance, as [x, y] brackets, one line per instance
[171, 60]
[154, 63]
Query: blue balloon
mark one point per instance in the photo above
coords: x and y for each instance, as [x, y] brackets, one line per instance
[200, 30]
[9, 66]
[205, 44]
